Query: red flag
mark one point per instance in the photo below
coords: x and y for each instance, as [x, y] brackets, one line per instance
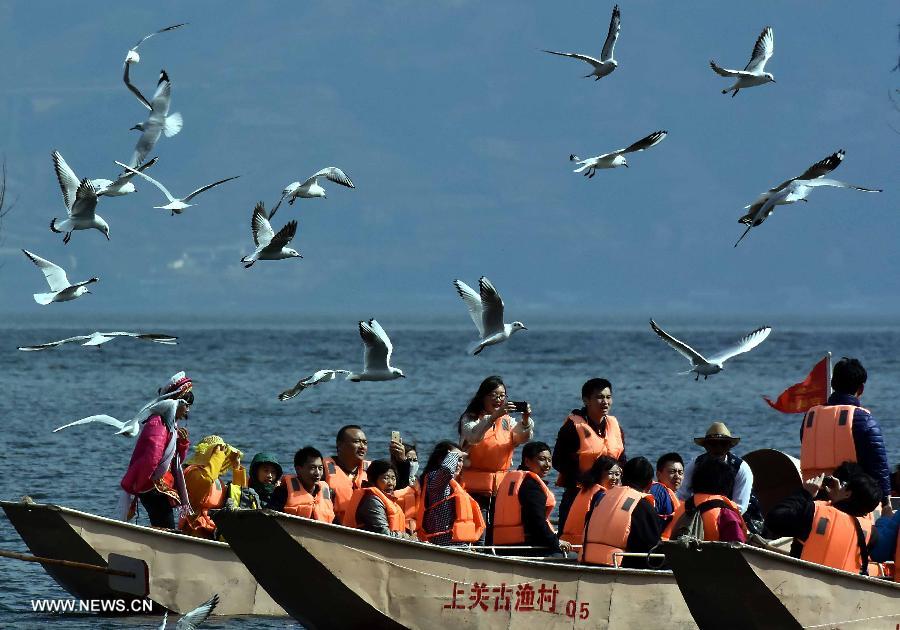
[812, 391]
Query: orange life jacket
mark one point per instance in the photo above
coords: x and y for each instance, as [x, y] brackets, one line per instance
[710, 517]
[834, 540]
[395, 517]
[827, 439]
[591, 445]
[299, 502]
[408, 499]
[489, 459]
[573, 530]
[672, 497]
[341, 485]
[508, 527]
[200, 524]
[468, 525]
[607, 531]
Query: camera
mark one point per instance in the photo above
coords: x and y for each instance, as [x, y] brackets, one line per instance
[520, 405]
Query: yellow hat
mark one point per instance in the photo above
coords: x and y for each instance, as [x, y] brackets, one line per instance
[717, 432]
[203, 449]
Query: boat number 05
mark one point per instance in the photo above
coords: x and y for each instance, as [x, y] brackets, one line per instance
[521, 598]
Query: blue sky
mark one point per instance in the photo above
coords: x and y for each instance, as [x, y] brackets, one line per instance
[456, 130]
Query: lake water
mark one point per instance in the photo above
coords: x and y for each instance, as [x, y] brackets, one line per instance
[240, 366]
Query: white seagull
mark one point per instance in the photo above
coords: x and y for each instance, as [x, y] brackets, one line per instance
[606, 64]
[69, 182]
[158, 123]
[159, 406]
[81, 202]
[99, 338]
[486, 311]
[193, 618]
[310, 188]
[269, 245]
[317, 378]
[753, 73]
[377, 356]
[132, 56]
[615, 158]
[177, 206]
[60, 289]
[714, 364]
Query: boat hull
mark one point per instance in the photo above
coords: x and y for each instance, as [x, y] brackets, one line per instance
[329, 576]
[183, 570]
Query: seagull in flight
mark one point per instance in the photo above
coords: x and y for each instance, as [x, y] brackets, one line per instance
[98, 338]
[160, 406]
[377, 356]
[615, 158]
[310, 188]
[714, 364]
[69, 182]
[193, 618]
[754, 72]
[160, 121]
[81, 202]
[317, 378]
[606, 64]
[60, 289]
[177, 206]
[132, 56]
[269, 245]
[486, 311]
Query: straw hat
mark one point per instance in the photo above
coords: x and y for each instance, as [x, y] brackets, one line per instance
[717, 432]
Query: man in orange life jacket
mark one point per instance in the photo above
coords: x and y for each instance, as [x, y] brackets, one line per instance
[346, 471]
[524, 504]
[838, 532]
[586, 434]
[669, 475]
[826, 440]
[305, 494]
[623, 519]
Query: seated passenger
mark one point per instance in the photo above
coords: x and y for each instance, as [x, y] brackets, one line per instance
[603, 475]
[373, 507]
[721, 517]
[524, 504]
[406, 461]
[265, 476]
[305, 494]
[669, 475]
[212, 458]
[345, 472]
[623, 519]
[446, 514]
[830, 532]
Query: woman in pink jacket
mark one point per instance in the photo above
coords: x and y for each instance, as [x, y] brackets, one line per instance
[154, 474]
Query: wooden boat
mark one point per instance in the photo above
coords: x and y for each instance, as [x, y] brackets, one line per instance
[183, 570]
[735, 586]
[328, 576]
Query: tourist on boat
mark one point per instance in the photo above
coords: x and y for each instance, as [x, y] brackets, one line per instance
[842, 430]
[710, 504]
[838, 532]
[373, 506]
[669, 475]
[203, 473]
[524, 504]
[489, 435]
[265, 476]
[346, 471]
[447, 515]
[586, 434]
[305, 494]
[154, 473]
[623, 519]
[603, 475]
[406, 460]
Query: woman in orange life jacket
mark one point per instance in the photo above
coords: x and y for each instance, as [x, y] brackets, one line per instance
[669, 475]
[585, 435]
[305, 494]
[447, 515]
[722, 520]
[524, 504]
[603, 475]
[489, 436]
[828, 531]
[373, 507]
[406, 460]
[212, 458]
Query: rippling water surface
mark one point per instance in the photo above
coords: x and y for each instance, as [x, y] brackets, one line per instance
[239, 368]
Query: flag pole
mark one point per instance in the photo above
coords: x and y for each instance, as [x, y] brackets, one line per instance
[828, 376]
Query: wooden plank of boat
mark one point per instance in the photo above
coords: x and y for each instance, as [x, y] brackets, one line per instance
[328, 576]
[742, 587]
[183, 570]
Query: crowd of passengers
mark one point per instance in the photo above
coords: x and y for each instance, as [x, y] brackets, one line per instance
[614, 510]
